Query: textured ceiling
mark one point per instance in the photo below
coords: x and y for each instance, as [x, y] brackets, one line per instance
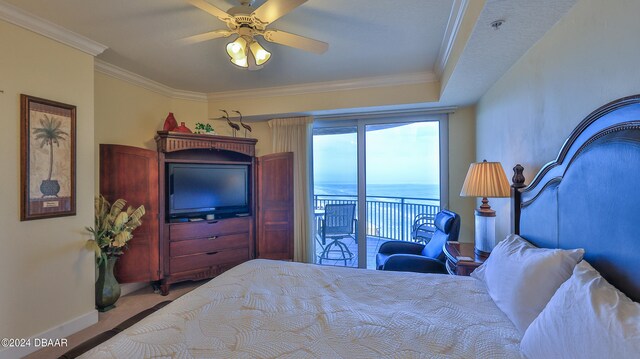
[366, 38]
[490, 53]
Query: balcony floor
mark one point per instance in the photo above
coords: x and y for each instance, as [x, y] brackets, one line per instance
[373, 244]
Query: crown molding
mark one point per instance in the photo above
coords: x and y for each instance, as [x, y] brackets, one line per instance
[455, 19]
[135, 79]
[317, 87]
[328, 86]
[48, 29]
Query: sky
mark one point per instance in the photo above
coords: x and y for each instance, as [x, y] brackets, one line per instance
[406, 154]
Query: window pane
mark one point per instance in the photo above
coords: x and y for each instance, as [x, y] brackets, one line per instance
[403, 180]
[335, 171]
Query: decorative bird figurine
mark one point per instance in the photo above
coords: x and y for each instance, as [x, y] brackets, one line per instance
[234, 126]
[246, 127]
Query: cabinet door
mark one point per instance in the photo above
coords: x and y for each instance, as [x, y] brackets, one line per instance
[131, 173]
[275, 207]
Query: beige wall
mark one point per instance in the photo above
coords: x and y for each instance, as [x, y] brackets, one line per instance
[189, 112]
[589, 58]
[290, 105]
[47, 276]
[127, 114]
[307, 102]
[462, 149]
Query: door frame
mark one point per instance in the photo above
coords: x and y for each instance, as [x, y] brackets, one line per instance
[360, 123]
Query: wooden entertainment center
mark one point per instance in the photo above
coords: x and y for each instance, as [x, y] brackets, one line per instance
[167, 252]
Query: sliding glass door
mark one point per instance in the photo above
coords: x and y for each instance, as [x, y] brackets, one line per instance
[371, 179]
[335, 186]
[402, 180]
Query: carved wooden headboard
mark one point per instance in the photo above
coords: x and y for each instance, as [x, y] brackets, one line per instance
[589, 197]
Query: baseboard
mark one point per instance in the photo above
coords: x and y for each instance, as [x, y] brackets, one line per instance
[129, 288]
[61, 331]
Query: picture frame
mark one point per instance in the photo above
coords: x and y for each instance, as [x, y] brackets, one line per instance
[47, 158]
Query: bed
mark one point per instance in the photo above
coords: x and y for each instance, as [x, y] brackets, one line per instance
[274, 309]
[587, 198]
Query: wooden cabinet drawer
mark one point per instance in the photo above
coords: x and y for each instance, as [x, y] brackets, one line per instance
[210, 244]
[182, 231]
[205, 260]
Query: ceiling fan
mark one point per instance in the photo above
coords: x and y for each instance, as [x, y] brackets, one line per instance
[248, 23]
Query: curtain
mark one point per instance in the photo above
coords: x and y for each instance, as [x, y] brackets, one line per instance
[295, 135]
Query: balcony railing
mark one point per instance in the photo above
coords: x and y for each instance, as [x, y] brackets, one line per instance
[387, 217]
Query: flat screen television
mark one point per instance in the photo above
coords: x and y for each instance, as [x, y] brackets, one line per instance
[200, 189]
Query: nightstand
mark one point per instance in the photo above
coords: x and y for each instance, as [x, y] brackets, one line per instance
[461, 258]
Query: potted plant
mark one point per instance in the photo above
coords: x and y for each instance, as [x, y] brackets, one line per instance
[112, 230]
[207, 129]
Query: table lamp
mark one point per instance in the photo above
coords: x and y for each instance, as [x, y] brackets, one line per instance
[485, 179]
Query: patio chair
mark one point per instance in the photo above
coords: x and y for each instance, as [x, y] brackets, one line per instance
[338, 223]
[415, 257]
[423, 228]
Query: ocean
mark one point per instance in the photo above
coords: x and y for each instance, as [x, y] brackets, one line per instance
[405, 190]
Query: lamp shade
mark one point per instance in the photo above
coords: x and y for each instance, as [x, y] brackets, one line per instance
[237, 51]
[259, 53]
[486, 179]
[241, 62]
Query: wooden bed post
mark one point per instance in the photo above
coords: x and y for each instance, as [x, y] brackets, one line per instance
[516, 197]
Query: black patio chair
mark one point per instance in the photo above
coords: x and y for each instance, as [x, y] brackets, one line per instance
[423, 228]
[338, 223]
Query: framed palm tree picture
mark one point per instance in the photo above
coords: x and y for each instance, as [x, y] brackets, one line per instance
[48, 158]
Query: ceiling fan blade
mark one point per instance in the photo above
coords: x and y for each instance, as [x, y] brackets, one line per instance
[272, 10]
[206, 36]
[297, 41]
[205, 6]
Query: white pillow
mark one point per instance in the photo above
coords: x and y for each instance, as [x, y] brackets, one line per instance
[521, 278]
[586, 318]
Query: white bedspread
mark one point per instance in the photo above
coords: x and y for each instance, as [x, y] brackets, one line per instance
[273, 309]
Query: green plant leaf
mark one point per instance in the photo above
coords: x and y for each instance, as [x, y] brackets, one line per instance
[113, 226]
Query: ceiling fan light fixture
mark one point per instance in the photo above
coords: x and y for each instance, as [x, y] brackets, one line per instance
[240, 62]
[247, 23]
[237, 49]
[259, 53]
